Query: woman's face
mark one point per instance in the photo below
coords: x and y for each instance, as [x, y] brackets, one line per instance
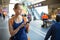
[18, 10]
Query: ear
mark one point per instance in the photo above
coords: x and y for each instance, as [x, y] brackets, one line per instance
[14, 9]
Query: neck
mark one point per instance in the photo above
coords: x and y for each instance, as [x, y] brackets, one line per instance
[16, 16]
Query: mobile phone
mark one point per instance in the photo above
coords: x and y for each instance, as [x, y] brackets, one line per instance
[27, 22]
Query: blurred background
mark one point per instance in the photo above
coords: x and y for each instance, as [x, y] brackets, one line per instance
[34, 9]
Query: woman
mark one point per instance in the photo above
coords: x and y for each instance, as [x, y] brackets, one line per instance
[18, 25]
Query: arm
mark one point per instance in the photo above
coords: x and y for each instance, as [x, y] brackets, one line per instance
[12, 31]
[49, 33]
[27, 27]
[26, 24]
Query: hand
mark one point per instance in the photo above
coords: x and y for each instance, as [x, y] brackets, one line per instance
[22, 25]
[27, 22]
[27, 25]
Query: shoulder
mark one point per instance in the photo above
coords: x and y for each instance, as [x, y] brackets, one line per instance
[11, 20]
[53, 25]
[25, 19]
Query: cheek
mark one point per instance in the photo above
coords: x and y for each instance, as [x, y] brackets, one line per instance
[19, 11]
[16, 10]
